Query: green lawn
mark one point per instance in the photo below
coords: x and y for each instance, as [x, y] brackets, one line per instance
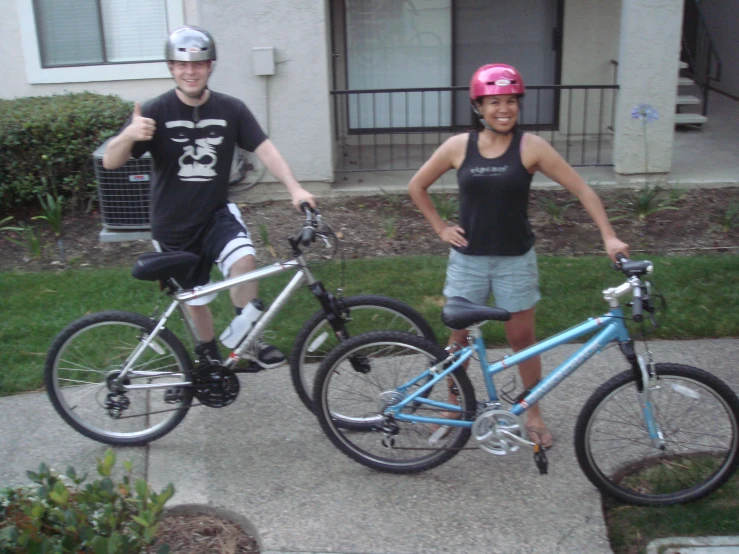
[702, 295]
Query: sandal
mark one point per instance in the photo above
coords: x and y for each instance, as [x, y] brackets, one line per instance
[541, 436]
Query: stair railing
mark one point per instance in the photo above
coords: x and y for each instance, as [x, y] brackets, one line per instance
[704, 63]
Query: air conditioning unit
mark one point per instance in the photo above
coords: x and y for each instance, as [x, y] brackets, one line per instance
[124, 197]
[124, 193]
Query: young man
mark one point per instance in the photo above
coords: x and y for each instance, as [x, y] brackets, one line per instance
[191, 132]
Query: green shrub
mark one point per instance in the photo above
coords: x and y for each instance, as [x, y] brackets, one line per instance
[46, 145]
[62, 515]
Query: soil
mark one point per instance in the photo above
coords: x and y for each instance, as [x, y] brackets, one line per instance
[390, 225]
[381, 226]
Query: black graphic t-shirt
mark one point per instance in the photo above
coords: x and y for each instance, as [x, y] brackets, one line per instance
[192, 151]
[494, 200]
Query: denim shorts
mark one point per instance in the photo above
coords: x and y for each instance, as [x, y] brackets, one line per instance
[512, 280]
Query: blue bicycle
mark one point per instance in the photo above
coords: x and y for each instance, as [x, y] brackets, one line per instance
[656, 434]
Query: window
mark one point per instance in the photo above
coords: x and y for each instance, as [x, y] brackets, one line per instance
[96, 40]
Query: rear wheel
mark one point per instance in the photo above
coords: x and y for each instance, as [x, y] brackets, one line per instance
[84, 361]
[697, 416]
[392, 359]
[366, 313]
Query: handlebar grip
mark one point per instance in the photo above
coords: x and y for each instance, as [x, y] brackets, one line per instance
[304, 206]
[307, 235]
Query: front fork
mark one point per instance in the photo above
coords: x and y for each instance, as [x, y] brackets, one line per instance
[646, 380]
[337, 315]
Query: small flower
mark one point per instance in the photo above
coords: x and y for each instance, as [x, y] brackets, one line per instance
[645, 113]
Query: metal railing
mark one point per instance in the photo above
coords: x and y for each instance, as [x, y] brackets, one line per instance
[398, 129]
[704, 64]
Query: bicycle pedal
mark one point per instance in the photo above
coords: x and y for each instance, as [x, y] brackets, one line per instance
[540, 458]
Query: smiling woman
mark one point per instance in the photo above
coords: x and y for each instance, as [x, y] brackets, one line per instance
[492, 250]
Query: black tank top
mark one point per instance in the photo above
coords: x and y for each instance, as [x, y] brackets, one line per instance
[493, 201]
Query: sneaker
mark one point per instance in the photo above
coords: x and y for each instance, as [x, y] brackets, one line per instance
[266, 355]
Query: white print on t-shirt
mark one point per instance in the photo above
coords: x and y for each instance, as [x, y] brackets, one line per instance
[493, 171]
[199, 158]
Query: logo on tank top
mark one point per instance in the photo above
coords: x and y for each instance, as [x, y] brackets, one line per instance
[489, 171]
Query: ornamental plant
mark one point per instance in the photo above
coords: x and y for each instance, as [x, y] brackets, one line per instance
[60, 514]
[652, 197]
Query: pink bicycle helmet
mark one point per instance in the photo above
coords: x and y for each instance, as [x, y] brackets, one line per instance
[496, 78]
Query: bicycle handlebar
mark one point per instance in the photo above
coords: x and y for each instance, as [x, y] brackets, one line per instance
[307, 234]
[633, 270]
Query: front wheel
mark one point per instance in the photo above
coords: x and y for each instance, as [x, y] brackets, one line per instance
[367, 312]
[81, 369]
[391, 360]
[697, 421]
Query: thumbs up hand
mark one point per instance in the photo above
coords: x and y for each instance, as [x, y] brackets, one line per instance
[141, 128]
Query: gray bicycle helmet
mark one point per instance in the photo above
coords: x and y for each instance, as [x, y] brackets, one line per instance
[190, 44]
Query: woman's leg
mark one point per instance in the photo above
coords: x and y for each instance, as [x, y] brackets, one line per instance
[520, 331]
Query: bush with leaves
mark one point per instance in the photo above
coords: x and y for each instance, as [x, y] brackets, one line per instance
[59, 514]
[46, 145]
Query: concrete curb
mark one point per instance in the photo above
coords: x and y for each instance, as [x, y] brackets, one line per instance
[210, 510]
[676, 545]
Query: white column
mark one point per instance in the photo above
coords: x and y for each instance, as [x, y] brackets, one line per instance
[649, 53]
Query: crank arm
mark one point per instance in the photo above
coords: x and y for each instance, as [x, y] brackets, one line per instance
[515, 438]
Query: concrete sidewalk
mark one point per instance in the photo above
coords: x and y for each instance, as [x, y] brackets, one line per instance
[265, 457]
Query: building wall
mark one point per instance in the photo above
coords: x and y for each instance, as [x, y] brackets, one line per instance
[590, 42]
[293, 104]
[722, 17]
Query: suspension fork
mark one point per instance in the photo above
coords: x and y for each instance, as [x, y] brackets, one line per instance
[645, 378]
[335, 312]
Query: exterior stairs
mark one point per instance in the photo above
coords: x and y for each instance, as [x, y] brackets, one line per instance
[685, 99]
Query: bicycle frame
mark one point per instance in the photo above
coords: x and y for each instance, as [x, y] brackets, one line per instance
[610, 327]
[302, 276]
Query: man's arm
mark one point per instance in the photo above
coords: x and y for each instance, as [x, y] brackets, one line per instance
[118, 150]
[274, 162]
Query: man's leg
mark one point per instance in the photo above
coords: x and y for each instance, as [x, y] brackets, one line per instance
[520, 331]
[266, 355]
[244, 293]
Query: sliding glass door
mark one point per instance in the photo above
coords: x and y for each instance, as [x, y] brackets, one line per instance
[432, 44]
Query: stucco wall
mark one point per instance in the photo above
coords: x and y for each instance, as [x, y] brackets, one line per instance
[293, 104]
[589, 43]
[722, 18]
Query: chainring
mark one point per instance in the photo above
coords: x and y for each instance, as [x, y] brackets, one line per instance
[215, 386]
[486, 431]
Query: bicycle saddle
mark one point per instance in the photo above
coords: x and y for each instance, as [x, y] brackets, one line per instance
[459, 313]
[160, 266]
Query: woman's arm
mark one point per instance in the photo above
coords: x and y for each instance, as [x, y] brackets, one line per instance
[445, 157]
[547, 160]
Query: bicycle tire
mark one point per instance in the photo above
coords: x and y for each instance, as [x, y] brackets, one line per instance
[307, 354]
[696, 459]
[88, 350]
[411, 449]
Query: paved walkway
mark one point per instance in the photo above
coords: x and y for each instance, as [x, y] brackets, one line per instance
[265, 457]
